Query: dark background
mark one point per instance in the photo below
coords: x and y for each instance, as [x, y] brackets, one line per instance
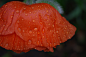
[75, 13]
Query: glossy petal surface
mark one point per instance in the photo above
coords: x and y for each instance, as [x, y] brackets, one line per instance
[37, 26]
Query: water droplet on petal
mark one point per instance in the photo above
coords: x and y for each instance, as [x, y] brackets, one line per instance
[24, 8]
[33, 20]
[30, 31]
[6, 45]
[23, 31]
[56, 31]
[17, 21]
[35, 29]
[29, 42]
[30, 12]
[19, 29]
[26, 14]
[17, 11]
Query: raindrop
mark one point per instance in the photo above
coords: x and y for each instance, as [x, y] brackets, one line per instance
[35, 29]
[5, 5]
[24, 8]
[17, 21]
[32, 7]
[26, 14]
[33, 20]
[38, 6]
[22, 19]
[35, 48]
[11, 16]
[24, 48]
[38, 42]
[15, 7]
[54, 44]
[46, 10]
[23, 30]
[29, 42]
[6, 45]
[43, 31]
[30, 31]
[17, 11]
[56, 31]
[53, 25]
[50, 44]
[3, 25]
[30, 12]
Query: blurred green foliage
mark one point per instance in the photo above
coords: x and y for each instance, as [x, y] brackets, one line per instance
[75, 11]
[2, 2]
[7, 55]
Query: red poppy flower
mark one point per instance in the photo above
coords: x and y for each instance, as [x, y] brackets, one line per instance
[37, 26]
